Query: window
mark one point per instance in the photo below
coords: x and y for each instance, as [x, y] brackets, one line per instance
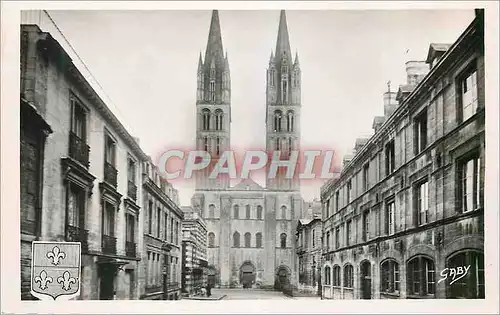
[337, 194]
[206, 119]
[468, 94]
[277, 121]
[109, 151]
[327, 240]
[218, 119]
[349, 233]
[283, 212]
[212, 90]
[421, 276]
[336, 276]
[327, 209]
[389, 158]
[171, 230]
[422, 202]
[389, 276]
[211, 239]
[284, 89]
[349, 188]
[205, 144]
[313, 237]
[158, 221]
[78, 120]
[337, 237]
[236, 212]
[420, 131]
[150, 216]
[177, 233]
[366, 176]
[470, 184]
[277, 144]
[258, 240]
[259, 212]
[165, 225]
[236, 239]
[366, 226]
[389, 217]
[109, 220]
[217, 146]
[471, 286]
[76, 207]
[131, 171]
[248, 238]
[290, 122]
[211, 211]
[328, 275]
[247, 212]
[283, 240]
[130, 224]
[348, 276]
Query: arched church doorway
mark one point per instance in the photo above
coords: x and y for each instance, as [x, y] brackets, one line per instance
[247, 274]
[212, 276]
[282, 277]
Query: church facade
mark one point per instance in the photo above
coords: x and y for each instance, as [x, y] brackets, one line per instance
[251, 229]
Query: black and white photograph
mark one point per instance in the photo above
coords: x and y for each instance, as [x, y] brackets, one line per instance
[196, 156]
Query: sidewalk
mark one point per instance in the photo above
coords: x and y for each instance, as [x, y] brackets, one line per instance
[204, 298]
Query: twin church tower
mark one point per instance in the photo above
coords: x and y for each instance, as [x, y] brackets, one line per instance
[251, 229]
[213, 99]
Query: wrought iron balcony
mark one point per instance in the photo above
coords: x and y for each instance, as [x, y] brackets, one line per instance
[109, 244]
[77, 234]
[78, 149]
[110, 174]
[130, 249]
[132, 190]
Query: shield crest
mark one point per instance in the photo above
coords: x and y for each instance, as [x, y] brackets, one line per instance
[55, 270]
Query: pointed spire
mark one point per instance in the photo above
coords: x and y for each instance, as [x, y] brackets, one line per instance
[296, 62]
[271, 59]
[226, 63]
[200, 62]
[215, 50]
[283, 41]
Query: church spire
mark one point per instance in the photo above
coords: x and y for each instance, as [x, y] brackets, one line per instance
[283, 41]
[214, 46]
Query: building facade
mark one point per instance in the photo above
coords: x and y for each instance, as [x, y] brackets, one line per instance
[81, 185]
[162, 255]
[250, 228]
[194, 252]
[409, 203]
[309, 253]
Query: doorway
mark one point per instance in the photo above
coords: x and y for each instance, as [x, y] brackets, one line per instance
[282, 277]
[247, 275]
[106, 284]
[366, 280]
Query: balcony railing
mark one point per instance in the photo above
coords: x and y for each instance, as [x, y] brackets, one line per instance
[110, 174]
[78, 149]
[77, 234]
[132, 190]
[109, 244]
[130, 249]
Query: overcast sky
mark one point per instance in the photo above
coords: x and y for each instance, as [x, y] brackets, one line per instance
[146, 62]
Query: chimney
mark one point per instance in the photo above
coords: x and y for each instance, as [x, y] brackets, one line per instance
[416, 71]
[360, 142]
[390, 103]
[347, 159]
[436, 51]
[378, 121]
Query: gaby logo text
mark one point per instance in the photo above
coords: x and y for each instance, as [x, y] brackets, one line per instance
[454, 274]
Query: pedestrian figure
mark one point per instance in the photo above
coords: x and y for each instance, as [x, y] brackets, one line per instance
[209, 290]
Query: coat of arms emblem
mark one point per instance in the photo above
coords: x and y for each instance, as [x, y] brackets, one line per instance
[55, 270]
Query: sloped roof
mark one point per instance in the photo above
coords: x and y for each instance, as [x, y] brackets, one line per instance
[247, 184]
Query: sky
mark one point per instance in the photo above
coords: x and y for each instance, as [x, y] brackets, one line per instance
[146, 63]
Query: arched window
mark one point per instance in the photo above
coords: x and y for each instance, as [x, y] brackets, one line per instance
[421, 276]
[348, 276]
[283, 212]
[205, 144]
[211, 211]
[471, 286]
[336, 276]
[217, 146]
[236, 213]
[277, 144]
[389, 277]
[283, 240]
[258, 240]
[218, 119]
[259, 212]
[236, 239]
[248, 239]
[328, 275]
[284, 89]
[277, 120]
[211, 239]
[247, 212]
[290, 121]
[206, 119]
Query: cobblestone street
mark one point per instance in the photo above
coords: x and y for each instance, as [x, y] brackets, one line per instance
[252, 294]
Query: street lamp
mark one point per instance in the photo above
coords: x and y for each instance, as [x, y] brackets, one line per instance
[166, 248]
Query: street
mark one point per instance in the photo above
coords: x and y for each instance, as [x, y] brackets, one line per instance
[251, 294]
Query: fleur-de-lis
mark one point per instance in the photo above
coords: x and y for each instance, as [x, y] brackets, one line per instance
[43, 279]
[56, 254]
[66, 280]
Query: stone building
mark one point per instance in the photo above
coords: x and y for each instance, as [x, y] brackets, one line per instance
[194, 252]
[250, 228]
[162, 258]
[309, 253]
[410, 202]
[82, 184]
